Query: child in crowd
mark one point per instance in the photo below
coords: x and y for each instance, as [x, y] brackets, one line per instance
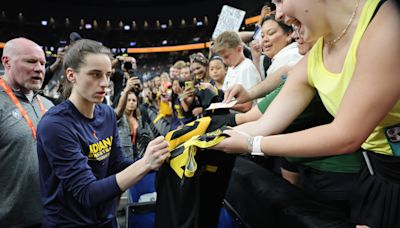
[241, 70]
[217, 71]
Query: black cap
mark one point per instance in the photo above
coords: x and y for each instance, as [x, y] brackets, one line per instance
[74, 36]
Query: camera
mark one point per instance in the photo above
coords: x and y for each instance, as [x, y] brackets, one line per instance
[133, 73]
[129, 68]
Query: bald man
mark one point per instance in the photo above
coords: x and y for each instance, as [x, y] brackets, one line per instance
[21, 108]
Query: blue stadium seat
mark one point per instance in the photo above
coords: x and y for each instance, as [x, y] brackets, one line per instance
[141, 214]
[229, 218]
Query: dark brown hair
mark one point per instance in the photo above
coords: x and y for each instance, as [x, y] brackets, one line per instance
[75, 57]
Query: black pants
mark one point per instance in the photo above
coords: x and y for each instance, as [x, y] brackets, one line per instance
[264, 199]
[376, 200]
[332, 188]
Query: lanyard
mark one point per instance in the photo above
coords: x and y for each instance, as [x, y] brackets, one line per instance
[133, 126]
[12, 96]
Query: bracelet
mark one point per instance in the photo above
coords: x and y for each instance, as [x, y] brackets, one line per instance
[257, 146]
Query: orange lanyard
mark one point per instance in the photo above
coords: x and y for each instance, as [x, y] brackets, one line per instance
[133, 126]
[134, 136]
[12, 96]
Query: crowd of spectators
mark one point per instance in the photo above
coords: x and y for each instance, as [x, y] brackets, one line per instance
[150, 95]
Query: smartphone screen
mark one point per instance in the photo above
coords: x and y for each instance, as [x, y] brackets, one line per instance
[189, 85]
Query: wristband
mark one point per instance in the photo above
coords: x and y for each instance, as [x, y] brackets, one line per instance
[257, 146]
[250, 141]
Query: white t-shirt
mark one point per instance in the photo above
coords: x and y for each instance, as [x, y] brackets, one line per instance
[245, 74]
[287, 56]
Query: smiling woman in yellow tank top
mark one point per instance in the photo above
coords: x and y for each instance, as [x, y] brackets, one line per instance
[355, 68]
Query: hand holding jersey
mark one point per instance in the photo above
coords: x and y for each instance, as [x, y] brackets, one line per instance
[237, 142]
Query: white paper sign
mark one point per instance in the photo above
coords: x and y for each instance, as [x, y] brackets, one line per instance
[229, 19]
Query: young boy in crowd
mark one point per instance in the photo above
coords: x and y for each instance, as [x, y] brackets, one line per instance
[241, 70]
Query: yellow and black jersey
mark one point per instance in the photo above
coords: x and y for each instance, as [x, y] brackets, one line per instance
[192, 184]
